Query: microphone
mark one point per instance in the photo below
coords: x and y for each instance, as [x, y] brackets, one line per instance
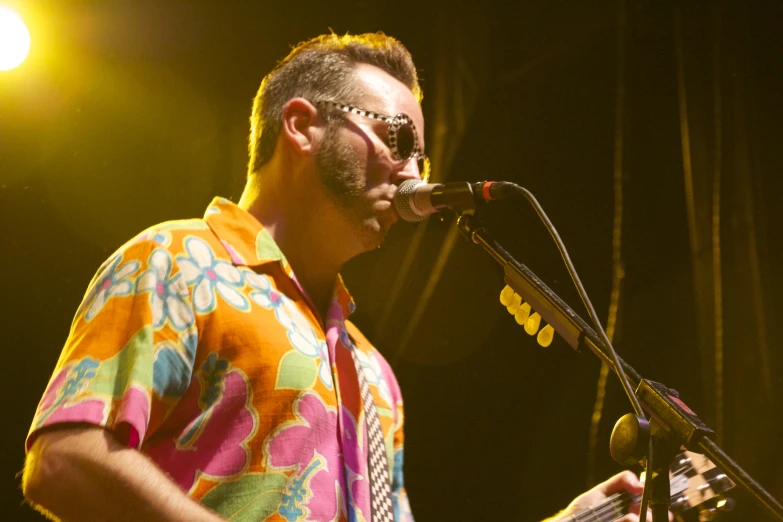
[415, 199]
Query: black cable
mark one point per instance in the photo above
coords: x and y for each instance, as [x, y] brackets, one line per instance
[619, 370]
[585, 299]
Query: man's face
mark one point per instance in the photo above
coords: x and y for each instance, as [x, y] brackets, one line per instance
[356, 164]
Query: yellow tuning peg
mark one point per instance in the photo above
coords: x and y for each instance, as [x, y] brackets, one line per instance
[532, 324]
[506, 295]
[516, 302]
[522, 314]
[546, 335]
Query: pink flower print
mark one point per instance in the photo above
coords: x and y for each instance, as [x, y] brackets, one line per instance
[301, 334]
[262, 293]
[113, 281]
[311, 448]
[355, 465]
[157, 235]
[168, 293]
[61, 401]
[210, 276]
[219, 423]
[134, 410]
[374, 374]
[235, 256]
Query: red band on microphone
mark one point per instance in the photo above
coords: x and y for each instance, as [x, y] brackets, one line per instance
[485, 190]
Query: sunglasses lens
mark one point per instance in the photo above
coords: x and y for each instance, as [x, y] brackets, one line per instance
[406, 141]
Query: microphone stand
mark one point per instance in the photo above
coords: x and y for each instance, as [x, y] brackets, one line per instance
[672, 423]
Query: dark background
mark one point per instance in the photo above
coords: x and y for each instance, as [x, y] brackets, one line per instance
[130, 113]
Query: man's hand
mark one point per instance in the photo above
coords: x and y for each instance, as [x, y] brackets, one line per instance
[625, 481]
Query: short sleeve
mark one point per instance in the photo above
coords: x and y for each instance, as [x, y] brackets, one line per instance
[128, 358]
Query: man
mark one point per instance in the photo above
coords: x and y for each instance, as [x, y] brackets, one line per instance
[211, 372]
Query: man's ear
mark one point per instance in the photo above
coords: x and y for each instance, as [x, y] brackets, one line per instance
[301, 124]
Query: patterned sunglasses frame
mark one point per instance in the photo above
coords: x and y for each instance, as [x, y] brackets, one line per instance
[395, 124]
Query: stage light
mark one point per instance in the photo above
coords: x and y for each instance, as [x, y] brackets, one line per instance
[14, 39]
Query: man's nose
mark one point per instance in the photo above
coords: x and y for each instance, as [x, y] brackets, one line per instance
[409, 170]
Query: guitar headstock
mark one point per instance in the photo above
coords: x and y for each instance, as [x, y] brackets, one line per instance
[697, 485]
[525, 316]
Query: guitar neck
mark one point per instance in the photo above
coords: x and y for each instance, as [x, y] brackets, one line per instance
[611, 509]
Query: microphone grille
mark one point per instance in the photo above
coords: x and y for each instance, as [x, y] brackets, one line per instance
[403, 200]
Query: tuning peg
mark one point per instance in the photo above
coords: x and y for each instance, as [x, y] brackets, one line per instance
[725, 504]
[506, 295]
[522, 314]
[516, 302]
[546, 335]
[532, 324]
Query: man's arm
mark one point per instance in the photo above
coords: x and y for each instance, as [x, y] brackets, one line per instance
[84, 473]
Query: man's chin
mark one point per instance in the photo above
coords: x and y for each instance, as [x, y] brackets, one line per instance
[374, 234]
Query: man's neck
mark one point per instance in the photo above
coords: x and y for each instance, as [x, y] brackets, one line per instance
[293, 216]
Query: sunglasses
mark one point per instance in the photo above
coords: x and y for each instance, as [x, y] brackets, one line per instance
[403, 138]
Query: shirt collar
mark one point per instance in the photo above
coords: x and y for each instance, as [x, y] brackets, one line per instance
[249, 244]
[247, 241]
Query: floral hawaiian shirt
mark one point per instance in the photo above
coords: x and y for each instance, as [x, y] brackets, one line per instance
[196, 345]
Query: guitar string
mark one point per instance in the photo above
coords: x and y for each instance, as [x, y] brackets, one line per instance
[613, 504]
[610, 505]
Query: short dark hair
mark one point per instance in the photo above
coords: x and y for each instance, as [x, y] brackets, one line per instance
[321, 69]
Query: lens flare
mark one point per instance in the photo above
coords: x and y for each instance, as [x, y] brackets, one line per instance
[14, 39]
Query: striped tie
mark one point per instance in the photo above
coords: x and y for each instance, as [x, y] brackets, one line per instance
[380, 487]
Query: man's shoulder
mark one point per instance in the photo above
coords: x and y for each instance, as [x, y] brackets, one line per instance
[171, 236]
[194, 226]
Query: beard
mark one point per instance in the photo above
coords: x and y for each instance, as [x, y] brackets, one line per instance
[344, 175]
[339, 169]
